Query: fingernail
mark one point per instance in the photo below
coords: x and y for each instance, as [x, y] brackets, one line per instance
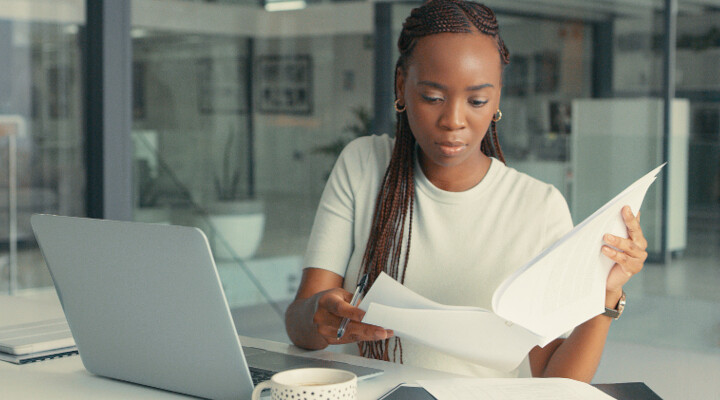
[608, 251]
[609, 238]
[380, 335]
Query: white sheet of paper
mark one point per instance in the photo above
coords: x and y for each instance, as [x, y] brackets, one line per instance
[477, 334]
[386, 290]
[565, 284]
[511, 389]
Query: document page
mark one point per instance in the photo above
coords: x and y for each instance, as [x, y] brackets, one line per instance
[512, 389]
[500, 345]
[565, 284]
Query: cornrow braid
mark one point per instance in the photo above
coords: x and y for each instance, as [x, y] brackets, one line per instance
[384, 246]
[396, 198]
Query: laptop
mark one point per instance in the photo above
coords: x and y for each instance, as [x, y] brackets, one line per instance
[145, 305]
[36, 341]
[35, 337]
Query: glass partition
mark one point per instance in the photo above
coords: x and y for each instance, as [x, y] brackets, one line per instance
[698, 81]
[236, 127]
[41, 144]
[239, 118]
[583, 110]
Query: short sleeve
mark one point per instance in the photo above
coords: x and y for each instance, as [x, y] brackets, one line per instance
[331, 240]
[558, 221]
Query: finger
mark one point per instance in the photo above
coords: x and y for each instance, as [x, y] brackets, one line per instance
[630, 266]
[358, 331]
[633, 225]
[617, 256]
[327, 325]
[627, 246]
[340, 307]
[345, 310]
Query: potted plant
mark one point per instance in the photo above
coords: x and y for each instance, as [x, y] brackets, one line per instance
[360, 127]
[235, 221]
[148, 189]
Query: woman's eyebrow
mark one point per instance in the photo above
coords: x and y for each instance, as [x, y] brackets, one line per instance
[443, 87]
[478, 87]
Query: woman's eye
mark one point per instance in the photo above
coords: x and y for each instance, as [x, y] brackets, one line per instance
[431, 99]
[478, 103]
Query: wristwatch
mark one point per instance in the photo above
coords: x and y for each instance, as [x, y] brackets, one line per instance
[617, 312]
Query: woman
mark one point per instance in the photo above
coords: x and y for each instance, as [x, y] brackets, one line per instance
[437, 209]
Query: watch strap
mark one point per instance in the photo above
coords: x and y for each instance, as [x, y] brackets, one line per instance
[618, 310]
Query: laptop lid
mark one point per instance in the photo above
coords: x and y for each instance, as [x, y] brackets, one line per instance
[145, 304]
[35, 337]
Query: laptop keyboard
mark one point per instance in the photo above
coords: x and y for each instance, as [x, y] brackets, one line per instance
[260, 375]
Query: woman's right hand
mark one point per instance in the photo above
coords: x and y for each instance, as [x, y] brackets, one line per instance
[332, 306]
[313, 319]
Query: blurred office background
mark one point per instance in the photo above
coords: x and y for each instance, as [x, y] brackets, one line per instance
[228, 115]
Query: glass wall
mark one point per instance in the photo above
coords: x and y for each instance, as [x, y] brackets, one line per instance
[41, 143]
[238, 122]
[236, 127]
[698, 63]
[579, 98]
[239, 114]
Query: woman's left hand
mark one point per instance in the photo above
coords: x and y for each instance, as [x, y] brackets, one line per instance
[629, 257]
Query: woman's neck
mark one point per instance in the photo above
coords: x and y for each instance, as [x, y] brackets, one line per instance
[457, 178]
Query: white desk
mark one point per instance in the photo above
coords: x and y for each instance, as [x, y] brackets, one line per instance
[66, 378]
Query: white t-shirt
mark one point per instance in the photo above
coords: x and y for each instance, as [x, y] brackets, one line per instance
[464, 244]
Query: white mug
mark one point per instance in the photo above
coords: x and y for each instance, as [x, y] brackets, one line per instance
[310, 384]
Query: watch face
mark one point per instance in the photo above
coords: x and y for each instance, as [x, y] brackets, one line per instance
[621, 305]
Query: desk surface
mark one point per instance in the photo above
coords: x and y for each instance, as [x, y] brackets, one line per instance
[66, 378]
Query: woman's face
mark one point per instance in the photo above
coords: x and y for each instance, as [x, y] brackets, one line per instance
[451, 88]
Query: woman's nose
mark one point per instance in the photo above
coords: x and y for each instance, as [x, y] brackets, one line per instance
[453, 116]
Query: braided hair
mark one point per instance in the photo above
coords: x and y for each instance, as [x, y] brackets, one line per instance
[394, 203]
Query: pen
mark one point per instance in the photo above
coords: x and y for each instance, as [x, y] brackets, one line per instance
[353, 302]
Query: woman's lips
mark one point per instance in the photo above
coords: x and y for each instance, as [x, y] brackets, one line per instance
[449, 149]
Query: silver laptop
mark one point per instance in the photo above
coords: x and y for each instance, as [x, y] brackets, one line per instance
[145, 304]
[35, 337]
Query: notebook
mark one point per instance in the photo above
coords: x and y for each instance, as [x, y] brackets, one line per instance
[145, 305]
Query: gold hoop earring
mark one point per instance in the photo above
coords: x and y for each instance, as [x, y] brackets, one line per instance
[398, 108]
[498, 116]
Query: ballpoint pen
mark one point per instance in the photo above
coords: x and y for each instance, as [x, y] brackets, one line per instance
[353, 302]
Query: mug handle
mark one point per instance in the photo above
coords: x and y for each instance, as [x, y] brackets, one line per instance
[259, 388]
